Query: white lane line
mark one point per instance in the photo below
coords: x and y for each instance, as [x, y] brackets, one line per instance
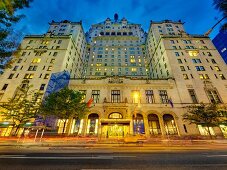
[29, 157]
[59, 157]
[11, 155]
[216, 155]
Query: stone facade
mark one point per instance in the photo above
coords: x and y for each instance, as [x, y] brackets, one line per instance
[140, 83]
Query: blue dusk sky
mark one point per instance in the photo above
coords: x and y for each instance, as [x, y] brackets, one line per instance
[199, 15]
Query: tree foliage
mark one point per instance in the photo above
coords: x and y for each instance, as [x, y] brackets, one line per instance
[22, 108]
[207, 115]
[8, 38]
[221, 5]
[64, 104]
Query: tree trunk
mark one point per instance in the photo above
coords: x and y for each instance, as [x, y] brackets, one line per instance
[208, 130]
[64, 127]
[16, 131]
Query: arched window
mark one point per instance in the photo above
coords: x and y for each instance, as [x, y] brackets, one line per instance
[92, 126]
[115, 115]
[138, 124]
[169, 124]
[154, 126]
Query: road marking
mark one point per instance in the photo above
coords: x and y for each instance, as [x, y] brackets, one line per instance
[67, 157]
[11, 155]
[216, 155]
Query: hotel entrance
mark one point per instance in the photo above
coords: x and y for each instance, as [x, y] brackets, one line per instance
[118, 130]
[115, 126]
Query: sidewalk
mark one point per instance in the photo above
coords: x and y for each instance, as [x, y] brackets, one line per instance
[94, 142]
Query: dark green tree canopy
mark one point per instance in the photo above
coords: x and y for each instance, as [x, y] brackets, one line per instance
[9, 40]
[207, 115]
[22, 107]
[64, 104]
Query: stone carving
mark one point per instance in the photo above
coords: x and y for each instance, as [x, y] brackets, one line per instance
[115, 80]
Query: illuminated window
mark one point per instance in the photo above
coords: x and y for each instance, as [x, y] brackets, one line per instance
[193, 53]
[98, 64]
[134, 69]
[217, 68]
[49, 68]
[222, 76]
[46, 76]
[185, 76]
[36, 60]
[204, 130]
[115, 116]
[28, 76]
[135, 96]
[92, 64]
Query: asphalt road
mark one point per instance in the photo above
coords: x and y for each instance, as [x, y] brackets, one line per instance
[101, 159]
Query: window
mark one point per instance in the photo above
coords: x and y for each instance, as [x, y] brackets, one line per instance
[200, 68]
[222, 76]
[5, 87]
[52, 61]
[36, 60]
[19, 60]
[149, 96]
[193, 53]
[182, 68]
[42, 87]
[172, 42]
[49, 68]
[15, 68]
[135, 96]
[213, 61]
[46, 76]
[193, 95]
[217, 68]
[185, 76]
[179, 61]
[213, 96]
[55, 54]
[163, 96]
[28, 76]
[10, 76]
[32, 68]
[95, 95]
[23, 54]
[115, 96]
[115, 116]
[203, 76]
[177, 54]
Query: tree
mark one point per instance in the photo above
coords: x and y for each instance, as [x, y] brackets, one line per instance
[8, 38]
[64, 104]
[221, 5]
[22, 108]
[207, 115]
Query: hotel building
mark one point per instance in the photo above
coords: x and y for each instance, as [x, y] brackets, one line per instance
[140, 82]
